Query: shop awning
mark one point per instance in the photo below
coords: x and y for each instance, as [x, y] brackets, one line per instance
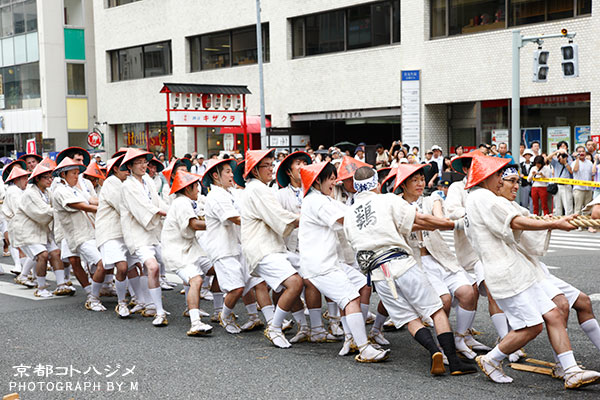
[253, 123]
[204, 89]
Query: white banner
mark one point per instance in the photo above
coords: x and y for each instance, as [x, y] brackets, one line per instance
[208, 118]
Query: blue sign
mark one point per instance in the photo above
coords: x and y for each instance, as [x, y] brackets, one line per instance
[411, 75]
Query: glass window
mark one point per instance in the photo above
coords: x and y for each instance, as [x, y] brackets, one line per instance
[359, 27]
[584, 7]
[195, 53]
[18, 18]
[30, 81]
[243, 46]
[21, 86]
[468, 16]
[116, 3]
[215, 50]
[130, 64]
[380, 24]
[298, 37]
[532, 11]
[76, 79]
[12, 88]
[73, 13]
[438, 18]
[266, 43]
[157, 59]
[325, 33]
[396, 19]
[30, 15]
[7, 21]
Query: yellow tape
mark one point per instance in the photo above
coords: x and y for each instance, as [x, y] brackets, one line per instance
[565, 181]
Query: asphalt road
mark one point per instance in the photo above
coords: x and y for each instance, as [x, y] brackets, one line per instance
[163, 363]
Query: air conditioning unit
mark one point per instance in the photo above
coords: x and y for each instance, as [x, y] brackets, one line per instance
[175, 100]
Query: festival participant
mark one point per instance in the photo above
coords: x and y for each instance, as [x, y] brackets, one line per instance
[95, 176]
[154, 168]
[31, 160]
[71, 211]
[109, 238]
[564, 295]
[12, 199]
[432, 253]
[264, 225]
[290, 197]
[493, 227]
[224, 249]
[182, 251]
[33, 234]
[377, 226]
[319, 219]
[141, 219]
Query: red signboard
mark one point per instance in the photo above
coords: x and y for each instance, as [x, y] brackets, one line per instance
[31, 148]
[596, 138]
[94, 139]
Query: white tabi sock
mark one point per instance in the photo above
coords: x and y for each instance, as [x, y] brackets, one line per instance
[88, 289]
[464, 319]
[501, 324]
[156, 294]
[121, 287]
[334, 310]
[145, 290]
[379, 321]
[251, 308]
[218, 301]
[496, 355]
[226, 312]
[365, 310]
[28, 265]
[134, 288]
[345, 326]
[315, 317]
[268, 312]
[592, 330]
[23, 263]
[14, 254]
[41, 281]
[96, 289]
[278, 317]
[567, 361]
[300, 318]
[356, 324]
[60, 277]
[194, 314]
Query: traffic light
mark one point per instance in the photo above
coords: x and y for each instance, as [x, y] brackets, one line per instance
[570, 63]
[540, 65]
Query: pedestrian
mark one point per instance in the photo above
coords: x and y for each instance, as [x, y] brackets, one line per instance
[359, 154]
[582, 170]
[382, 159]
[561, 165]
[539, 190]
[525, 193]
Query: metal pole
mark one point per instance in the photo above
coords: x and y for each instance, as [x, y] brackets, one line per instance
[516, 96]
[169, 128]
[263, 129]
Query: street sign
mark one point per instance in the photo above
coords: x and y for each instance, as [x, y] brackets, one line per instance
[411, 107]
[94, 139]
[31, 148]
[207, 118]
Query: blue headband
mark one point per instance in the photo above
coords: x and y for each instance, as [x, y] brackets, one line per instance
[366, 185]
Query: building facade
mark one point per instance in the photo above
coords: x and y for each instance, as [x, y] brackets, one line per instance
[333, 68]
[47, 74]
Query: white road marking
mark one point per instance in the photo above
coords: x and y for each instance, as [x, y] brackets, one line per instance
[595, 297]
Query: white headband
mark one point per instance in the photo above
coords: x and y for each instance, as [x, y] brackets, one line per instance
[510, 171]
[366, 185]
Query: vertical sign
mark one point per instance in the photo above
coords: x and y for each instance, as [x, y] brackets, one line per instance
[411, 108]
[31, 149]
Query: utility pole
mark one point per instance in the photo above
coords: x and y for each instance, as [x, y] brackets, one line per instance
[263, 126]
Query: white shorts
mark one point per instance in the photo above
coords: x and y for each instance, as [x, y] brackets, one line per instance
[570, 291]
[274, 269]
[416, 297]
[479, 278]
[199, 268]
[451, 280]
[526, 308]
[3, 226]
[114, 251]
[336, 286]
[32, 250]
[232, 273]
[89, 253]
[65, 252]
[145, 253]
[356, 277]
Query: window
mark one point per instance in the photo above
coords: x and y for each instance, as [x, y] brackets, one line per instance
[228, 48]
[76, 79]
[455, 17]
[73, 13]
[357, 27]
[20, 85]
[116, 3]
[141, 61]
[17, 17]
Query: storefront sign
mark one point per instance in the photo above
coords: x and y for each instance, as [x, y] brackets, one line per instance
[94, 139]
[582, 134]
[530, 135]
[279, 141]
[499, 136]
[411, 108]
[228, 141]
[557, 134]
[596, 139]
[31, 148]
[208, 118]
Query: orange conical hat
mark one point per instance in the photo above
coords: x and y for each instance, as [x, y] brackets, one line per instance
[121, 151]
[94, 170]
[484, 167]
[68, 162]
[348, 167]
[7, 169]
[457, 163]
[115, 161]
[48, 163]
[16, 172]
[168, 171]
[253, 158]
[404, 171]
[183, 179]
[309, 174]
[389, 179]
[134, 153]
[36, 156]
[39, 170]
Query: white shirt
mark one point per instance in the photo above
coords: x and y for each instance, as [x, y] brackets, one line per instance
[584, 173]
[290, 198]
[223, 236]
[181, 248]
[317, 238]
[507, 271]
[33, 217]
[455, 210]
[378, 222]
[76, 225]
[108, 216]
[440, 162]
